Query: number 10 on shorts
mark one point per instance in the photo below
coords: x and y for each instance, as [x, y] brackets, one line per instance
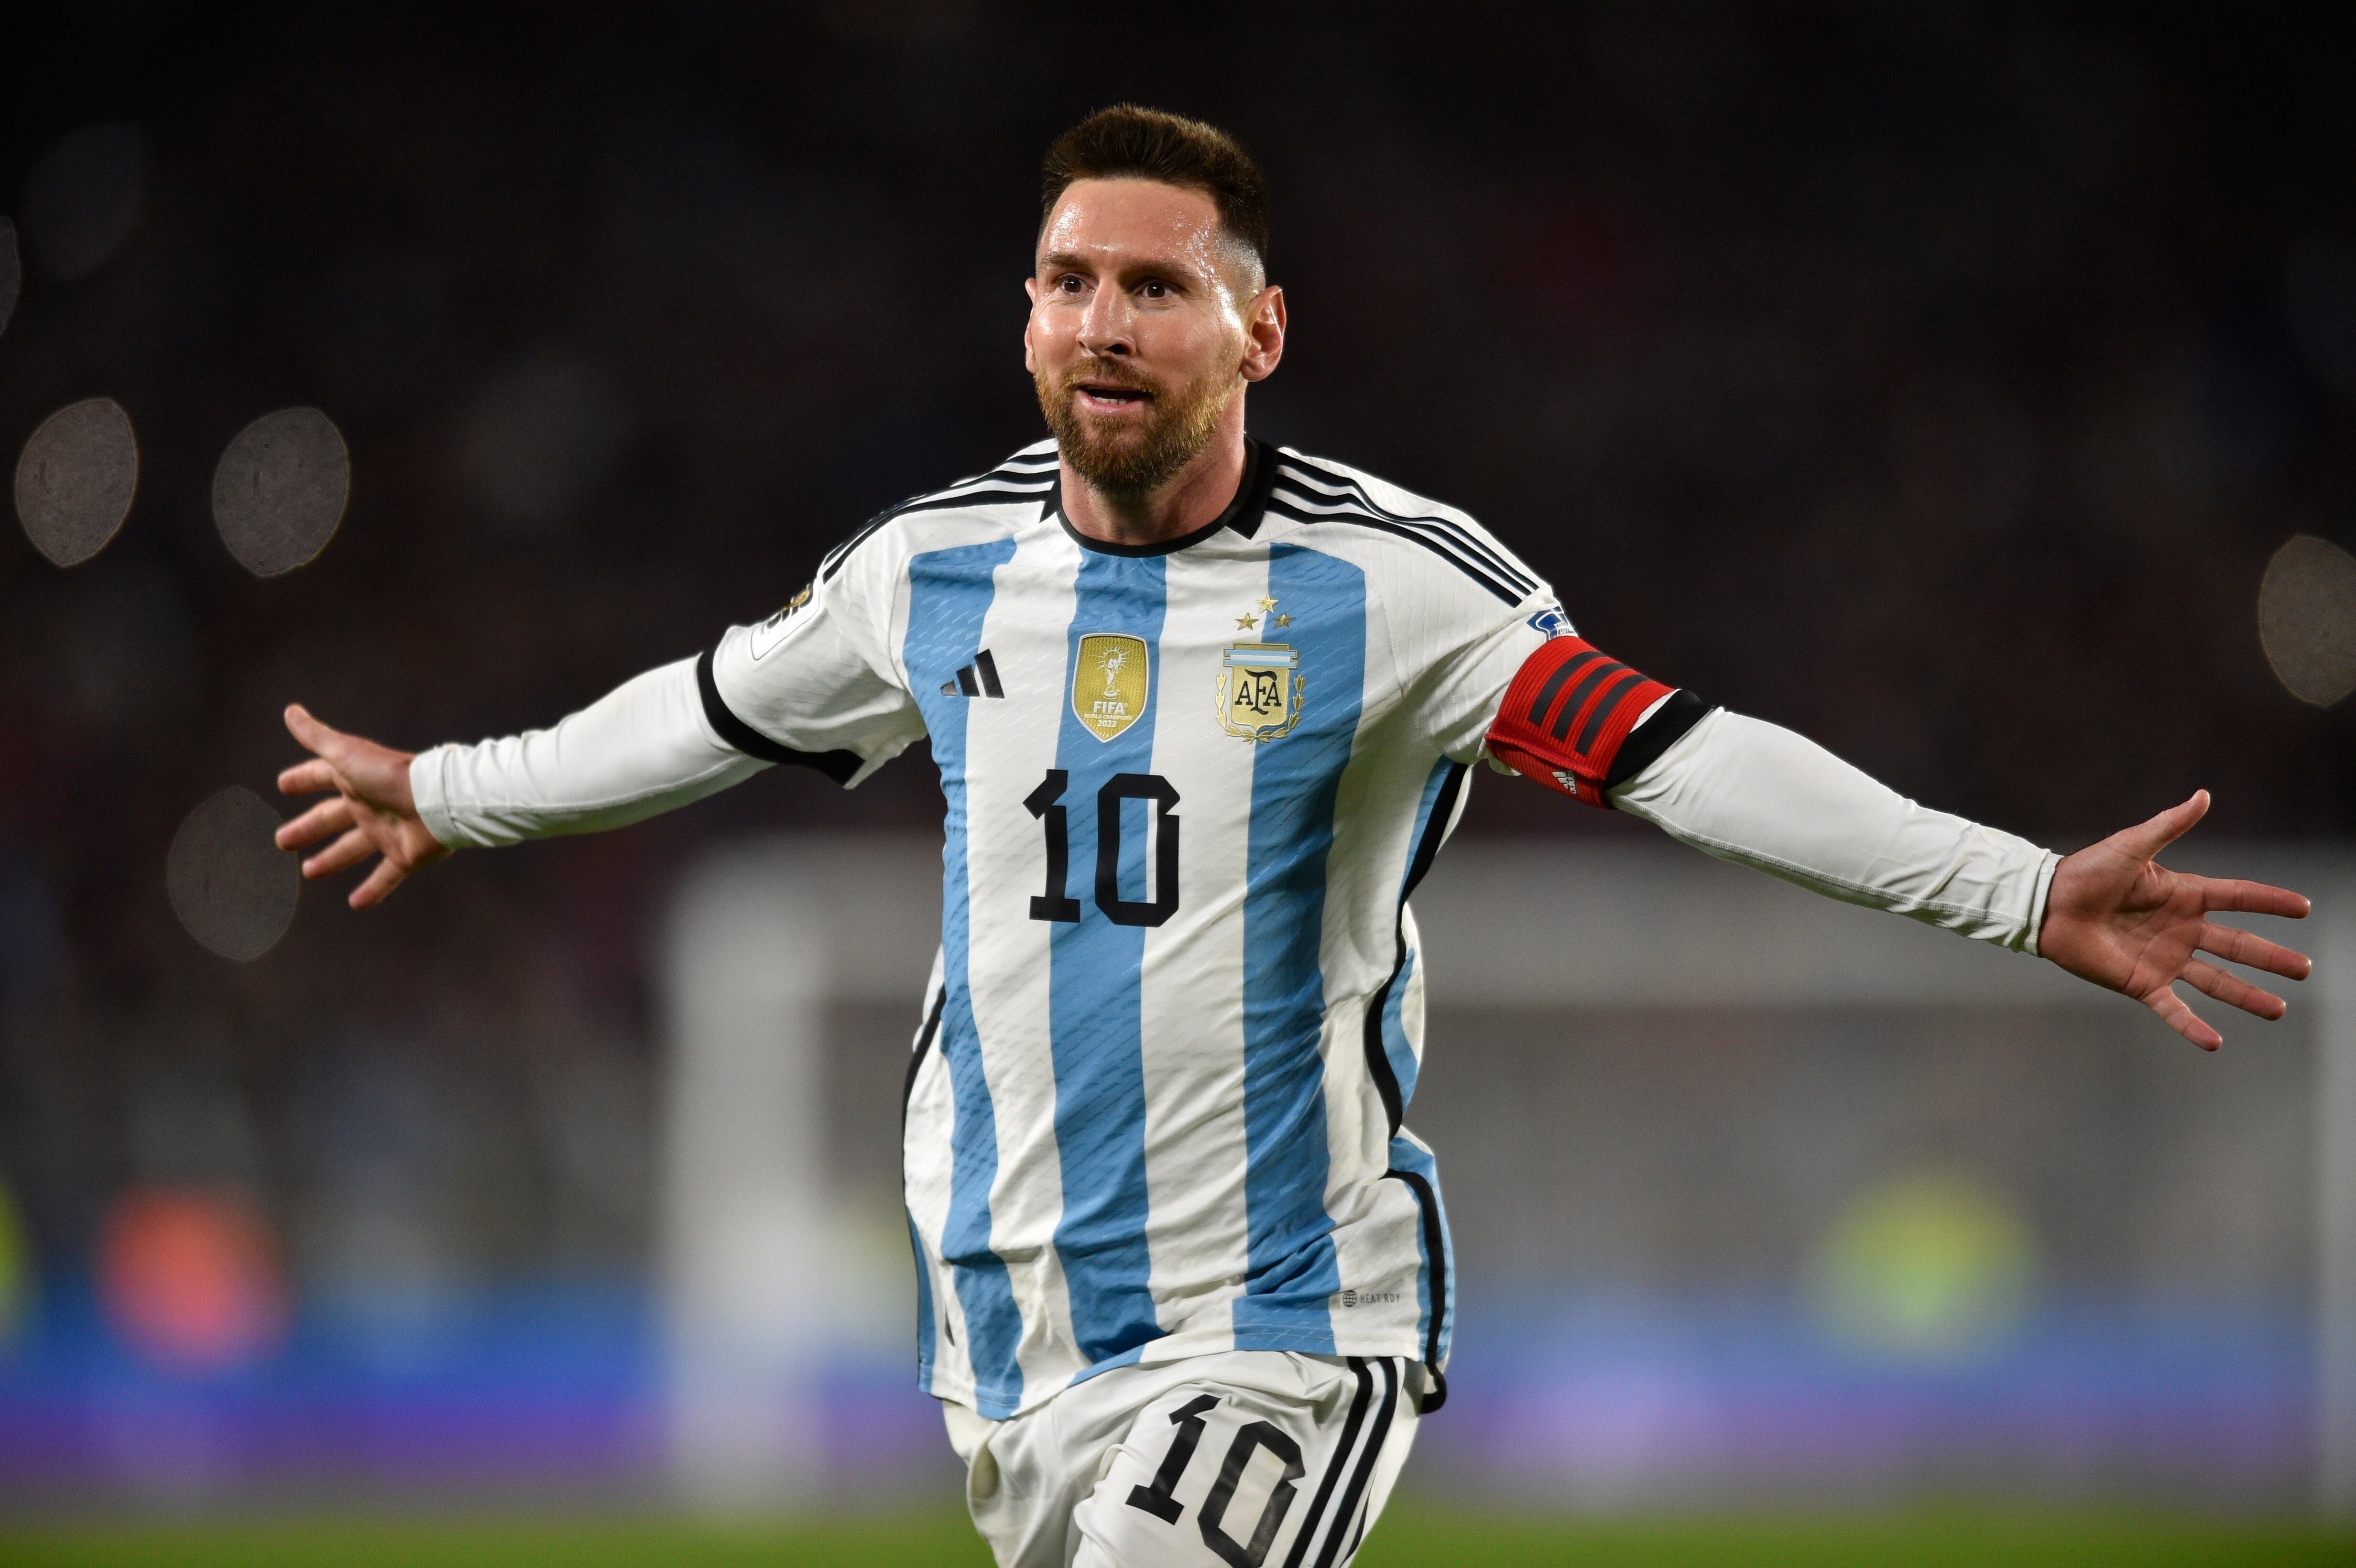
[1160, 1499]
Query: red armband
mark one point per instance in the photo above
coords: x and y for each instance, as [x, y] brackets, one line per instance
[1566, 714]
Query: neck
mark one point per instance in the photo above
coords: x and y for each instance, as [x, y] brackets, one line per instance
[1188, 500]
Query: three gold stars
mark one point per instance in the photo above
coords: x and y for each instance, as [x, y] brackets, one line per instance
[1267, 603]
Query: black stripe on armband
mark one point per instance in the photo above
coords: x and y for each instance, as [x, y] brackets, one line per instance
[1678, 714]
[837, 765]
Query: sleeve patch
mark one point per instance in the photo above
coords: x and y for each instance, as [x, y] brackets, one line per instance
[1566, 714]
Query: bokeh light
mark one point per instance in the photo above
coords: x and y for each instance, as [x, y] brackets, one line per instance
[15, 1267]
[75, 480]
[189, 1278]
[233, 889]
[11, 273]
[279, 490]
[83, 197]
[2307, 619]
[1930, 1266]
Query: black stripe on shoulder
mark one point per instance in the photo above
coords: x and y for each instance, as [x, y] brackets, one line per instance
[1277, 504]
[1647, 741]
[980, 495]
[1009, 472]
[837, 765]
[1313, 474]
[842, 552]
[1006, 482]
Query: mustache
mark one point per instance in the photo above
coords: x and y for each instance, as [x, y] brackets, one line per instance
[1109, 373]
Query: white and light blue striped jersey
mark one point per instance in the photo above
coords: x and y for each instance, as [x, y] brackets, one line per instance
[1156, 1106]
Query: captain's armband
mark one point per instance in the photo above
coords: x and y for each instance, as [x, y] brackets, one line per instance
[1570, 721]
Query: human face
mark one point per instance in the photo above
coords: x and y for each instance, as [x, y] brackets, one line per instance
[1142, 333]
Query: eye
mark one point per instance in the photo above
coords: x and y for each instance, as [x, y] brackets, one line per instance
[1155, 289]
[1067, 283]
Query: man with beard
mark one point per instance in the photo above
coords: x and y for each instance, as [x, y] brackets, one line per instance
[1183, 1276]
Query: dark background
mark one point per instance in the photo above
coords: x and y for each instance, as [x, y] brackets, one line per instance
[1936, 381]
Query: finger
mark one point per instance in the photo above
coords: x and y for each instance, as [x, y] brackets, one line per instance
[323, 738]
[308, 778]
[2182, 1019]
[327, 816]
[2237, 946]
[2235, 991]
[2228, 895]
[2148, 839]
[349, 850]
[378, 884]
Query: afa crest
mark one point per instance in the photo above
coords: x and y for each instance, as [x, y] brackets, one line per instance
[1109, 685]
[1259, 690]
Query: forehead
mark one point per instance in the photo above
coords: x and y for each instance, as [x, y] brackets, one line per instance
[1121, 219]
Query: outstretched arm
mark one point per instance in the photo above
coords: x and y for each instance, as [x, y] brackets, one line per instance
[646, 747]
[1752, 793]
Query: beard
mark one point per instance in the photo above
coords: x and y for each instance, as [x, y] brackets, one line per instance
[1131, 464]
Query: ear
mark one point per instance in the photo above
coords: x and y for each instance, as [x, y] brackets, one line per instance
[1029, 354]
[1263, 334]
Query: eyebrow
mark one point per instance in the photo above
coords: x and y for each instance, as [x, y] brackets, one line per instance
[1056, 260]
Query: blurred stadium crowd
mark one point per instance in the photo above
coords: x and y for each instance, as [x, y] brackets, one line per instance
[1936, 381]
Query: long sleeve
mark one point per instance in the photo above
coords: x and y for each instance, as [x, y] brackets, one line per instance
[646, 747]
[1756, 793]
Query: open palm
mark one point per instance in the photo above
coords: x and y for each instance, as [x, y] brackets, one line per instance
[2116, 917]
[372, 813]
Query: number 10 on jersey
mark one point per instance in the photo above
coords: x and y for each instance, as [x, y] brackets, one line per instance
[1046, 803]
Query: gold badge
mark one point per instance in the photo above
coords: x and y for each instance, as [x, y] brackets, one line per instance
[1259, 690]
[1108, 683]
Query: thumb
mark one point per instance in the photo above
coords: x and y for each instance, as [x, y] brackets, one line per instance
[2148, 839]
[314, 736]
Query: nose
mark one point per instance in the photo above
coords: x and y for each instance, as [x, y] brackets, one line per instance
[1105, 324]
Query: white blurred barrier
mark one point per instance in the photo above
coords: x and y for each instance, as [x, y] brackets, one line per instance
[763, 938]
[760, 939]
[2334, 948]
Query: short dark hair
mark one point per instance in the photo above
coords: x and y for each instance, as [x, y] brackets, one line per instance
[1129, 142]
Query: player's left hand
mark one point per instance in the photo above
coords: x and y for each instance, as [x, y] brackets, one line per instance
[2116, 917]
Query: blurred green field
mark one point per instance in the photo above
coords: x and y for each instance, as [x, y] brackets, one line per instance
[1411, 1537]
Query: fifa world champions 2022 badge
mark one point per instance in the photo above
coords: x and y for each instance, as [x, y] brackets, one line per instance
[1109, 683]
[1260, 688]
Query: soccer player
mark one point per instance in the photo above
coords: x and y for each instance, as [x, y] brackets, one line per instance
[1205, 710]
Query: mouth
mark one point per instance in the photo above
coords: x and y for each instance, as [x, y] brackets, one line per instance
[1109, 396]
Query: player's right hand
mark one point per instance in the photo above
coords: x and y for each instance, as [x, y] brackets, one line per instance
[374, 810]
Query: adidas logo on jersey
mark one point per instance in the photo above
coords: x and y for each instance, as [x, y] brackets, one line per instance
[978, 678]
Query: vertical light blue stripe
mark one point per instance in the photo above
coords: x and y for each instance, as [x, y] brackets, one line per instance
[924, 1309]
[949, 592]
[1290, 1273]
[1406, 1156]
[1096, 1021]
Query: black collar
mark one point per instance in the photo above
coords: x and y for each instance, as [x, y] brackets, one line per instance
[1243, 513]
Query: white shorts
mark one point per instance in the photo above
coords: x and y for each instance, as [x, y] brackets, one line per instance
[1244, 1458]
